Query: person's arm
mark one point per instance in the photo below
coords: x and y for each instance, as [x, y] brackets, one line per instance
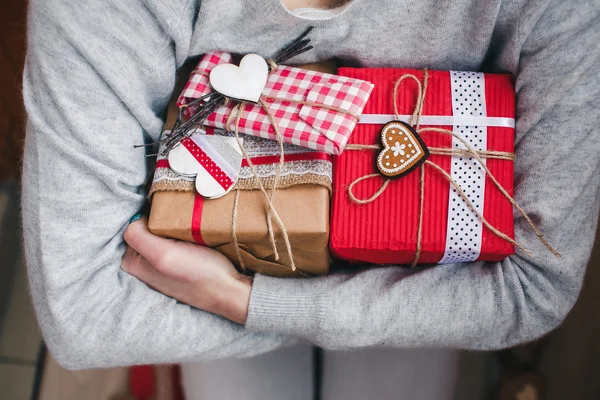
[98, 76]
[472, 305]
[484, 305]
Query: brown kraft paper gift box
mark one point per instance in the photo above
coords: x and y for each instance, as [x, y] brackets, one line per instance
[303, 208]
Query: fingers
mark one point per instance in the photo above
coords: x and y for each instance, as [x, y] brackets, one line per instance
[186, 292]
[149, 246]
[175, 259]
[181, 261]
[134, 264]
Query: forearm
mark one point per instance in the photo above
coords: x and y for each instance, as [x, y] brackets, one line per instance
[470, 306]
[484, 305]
[95, 85]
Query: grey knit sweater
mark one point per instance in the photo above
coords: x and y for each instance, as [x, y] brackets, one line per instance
[99, 75]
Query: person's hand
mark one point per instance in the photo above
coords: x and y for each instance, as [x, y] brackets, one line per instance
[196, 275]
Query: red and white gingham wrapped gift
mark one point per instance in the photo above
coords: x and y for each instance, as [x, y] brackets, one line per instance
[306, 105]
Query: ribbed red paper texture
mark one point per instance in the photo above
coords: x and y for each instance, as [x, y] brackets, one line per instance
[385, 231]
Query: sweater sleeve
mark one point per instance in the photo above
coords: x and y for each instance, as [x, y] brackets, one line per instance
[484, 305]
[98, 75]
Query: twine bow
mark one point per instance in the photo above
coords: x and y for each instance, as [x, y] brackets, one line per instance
[271, 211]
[236, 114]
[469, 151]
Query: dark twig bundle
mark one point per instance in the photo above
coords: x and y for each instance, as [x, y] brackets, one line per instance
[213, 100]
[182, 129]
[298, 46]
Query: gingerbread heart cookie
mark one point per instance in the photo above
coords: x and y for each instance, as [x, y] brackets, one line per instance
[403, 150]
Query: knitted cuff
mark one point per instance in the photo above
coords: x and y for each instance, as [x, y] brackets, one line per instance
[287, 306]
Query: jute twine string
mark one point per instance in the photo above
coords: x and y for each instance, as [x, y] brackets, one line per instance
[272, 64]
[272, 212]
[469, 151]
[237, 112]
[276, 178]
[416, 122]
[479, 157]
[500, 155]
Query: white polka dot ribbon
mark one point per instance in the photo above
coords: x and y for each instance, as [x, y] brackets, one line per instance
[469, 121]
[464, 229]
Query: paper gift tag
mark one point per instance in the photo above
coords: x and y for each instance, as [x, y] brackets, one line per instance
[245, 82]
[214, 160]
[403, 150]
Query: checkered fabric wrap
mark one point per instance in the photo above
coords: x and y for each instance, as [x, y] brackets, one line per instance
[198, 83]
[307, 125]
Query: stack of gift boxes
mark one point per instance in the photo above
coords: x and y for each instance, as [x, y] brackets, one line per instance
[383, 166]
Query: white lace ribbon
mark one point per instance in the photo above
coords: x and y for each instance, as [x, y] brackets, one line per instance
[259, 147]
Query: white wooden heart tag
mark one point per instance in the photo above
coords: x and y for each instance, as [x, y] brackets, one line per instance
[245, 82]
[214, 160]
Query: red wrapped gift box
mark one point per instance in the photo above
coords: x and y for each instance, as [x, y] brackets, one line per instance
[479, 108]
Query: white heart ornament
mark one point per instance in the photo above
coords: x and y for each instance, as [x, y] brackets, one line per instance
[244, 82]
[214, 160]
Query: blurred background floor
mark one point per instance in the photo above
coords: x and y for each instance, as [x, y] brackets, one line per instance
[20, 338]
[27, 372]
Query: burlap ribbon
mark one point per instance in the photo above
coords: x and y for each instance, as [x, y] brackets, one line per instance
[469, 151]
